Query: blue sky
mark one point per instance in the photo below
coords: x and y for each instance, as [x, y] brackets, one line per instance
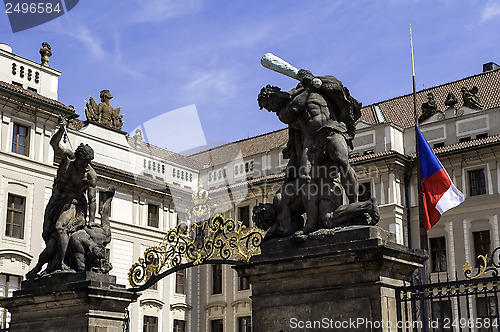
[159, 55]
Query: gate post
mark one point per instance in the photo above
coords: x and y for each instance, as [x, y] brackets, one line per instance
[77, 302]
[342, 280]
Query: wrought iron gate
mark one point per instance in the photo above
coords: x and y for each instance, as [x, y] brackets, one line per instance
[207, 240]
[470, 304]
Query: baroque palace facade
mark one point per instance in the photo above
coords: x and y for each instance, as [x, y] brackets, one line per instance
[154, 187]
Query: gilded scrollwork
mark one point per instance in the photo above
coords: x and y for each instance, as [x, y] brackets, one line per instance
[215, 238]
[485, 265]
[200, 210]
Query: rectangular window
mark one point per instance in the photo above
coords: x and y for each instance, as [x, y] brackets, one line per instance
[14, 225]
[179, 325]
[438, 254]
[217, 325]
[244, 215]
[20, 139]
[245, 324]
[243, 283]
[216, 279]
[179, 281]
[8, 284]
[477, 182]
[150, 324]
[482, 245]
[153, 215]
[365, 191]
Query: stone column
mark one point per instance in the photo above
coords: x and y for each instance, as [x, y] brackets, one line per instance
[75, 302]
[336, 280]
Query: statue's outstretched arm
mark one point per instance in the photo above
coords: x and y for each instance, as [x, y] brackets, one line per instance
[55, 142]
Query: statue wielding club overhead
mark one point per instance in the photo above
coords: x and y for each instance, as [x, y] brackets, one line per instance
[321, 116]
[74, 241]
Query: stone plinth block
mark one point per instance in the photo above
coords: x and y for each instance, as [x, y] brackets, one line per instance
[335, 280]
[75, 302]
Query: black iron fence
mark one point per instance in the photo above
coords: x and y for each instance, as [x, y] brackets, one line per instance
[469, 303]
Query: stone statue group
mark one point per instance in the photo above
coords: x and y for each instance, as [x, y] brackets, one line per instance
[321, 116]
[74, 242]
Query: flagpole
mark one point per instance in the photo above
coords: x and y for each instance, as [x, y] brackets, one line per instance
[424, 272]
[423, 235]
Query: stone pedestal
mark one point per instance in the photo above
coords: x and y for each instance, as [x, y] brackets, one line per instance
[74, 302]
[340, 280]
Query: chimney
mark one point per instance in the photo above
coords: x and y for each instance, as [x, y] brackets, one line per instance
[490, 66]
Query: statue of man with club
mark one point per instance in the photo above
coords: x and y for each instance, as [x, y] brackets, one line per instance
[321, 115]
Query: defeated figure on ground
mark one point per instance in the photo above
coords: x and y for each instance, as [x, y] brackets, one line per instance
[70, 209]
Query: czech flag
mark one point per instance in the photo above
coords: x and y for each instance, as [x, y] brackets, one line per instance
[439, 193]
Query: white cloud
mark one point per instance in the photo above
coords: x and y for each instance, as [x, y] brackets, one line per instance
[91, 42]
[219, 83]
[159, 10]
[97, 47]
[491, 10]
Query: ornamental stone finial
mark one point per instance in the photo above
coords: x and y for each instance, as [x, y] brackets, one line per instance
[45, 52]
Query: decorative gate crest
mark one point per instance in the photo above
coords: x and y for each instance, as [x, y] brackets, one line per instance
[214, 240]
